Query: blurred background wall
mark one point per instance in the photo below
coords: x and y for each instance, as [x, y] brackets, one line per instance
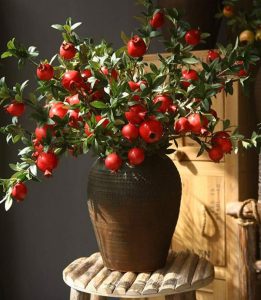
[51, 228]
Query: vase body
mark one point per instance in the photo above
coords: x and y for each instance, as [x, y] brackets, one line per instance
[134, 212]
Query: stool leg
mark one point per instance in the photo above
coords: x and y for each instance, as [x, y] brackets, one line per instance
[76, 295]
[182, 296]
[97, 297]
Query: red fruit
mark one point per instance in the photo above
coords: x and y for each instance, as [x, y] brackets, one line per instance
[38, 148]
[41, 132]
[242, 72]
[134, 86]
[45, 72]
[222, 140]
[215, 154]
[173, 108]
[157, 20]
[46, 162]
[72, 100]
[212, 55]
[67, 50]
[86, 73]
[98, 95]
[165, 102]
[19, 191]
[136, 114]
[130, 131]
[182, 125]
[58, 109]
[151, 131]
[87, 130]
[113, 162]
[74, 118]
[136, 46]
[15, 109]
[136, 156]
[133, 117]
[139, 109]
[113, 73]
[189, 75]
[197, 123]
[228, 11]
[72, 80]
[192, 37]
[105, 122]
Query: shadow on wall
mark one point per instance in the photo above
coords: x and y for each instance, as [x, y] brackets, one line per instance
[51, 228]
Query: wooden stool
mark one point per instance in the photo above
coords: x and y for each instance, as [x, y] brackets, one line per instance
[183, 274]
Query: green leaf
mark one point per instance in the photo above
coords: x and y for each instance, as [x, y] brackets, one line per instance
[98, 104]
[159, 81]
[58, 27]
[8, 203]
[13, 167]
[16, 139]
[226, 124]
[74, 26]
[190, 60]
[6, 54]
[154, 34]
[33, 170]
[124, 38]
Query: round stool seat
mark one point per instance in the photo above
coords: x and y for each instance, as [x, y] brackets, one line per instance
[183, 272]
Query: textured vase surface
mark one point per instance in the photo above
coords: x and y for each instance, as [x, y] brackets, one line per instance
[134, 212]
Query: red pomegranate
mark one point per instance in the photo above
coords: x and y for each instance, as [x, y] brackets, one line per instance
[46, 162]
[74, 118]
[67, 50]
[192, 37]
[42, 131]
[189, 76]
[197, 123]
[222, 140]
[151, 131]
[87, 130]
[215, 154]
[130, 131]
[212, 55]
[104, 123]
[15, 109]
[86, 73]
[113, 162]
[73, 100]
[136, 156]
[165, 101]
[72, 80]
[136, 114]
[45, 72]
[19, 191]
[157, 20]
[182, 125]
[136, 46]
[58, 109]
[110, 73]
[134, 86]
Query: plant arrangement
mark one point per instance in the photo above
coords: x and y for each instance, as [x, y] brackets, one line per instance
[246, 23]
[91, 96]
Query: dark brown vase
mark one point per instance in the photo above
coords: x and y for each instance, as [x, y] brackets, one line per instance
[134, 212]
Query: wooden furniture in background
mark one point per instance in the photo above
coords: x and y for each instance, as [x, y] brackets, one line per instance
[183, 274]
[207, 187]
